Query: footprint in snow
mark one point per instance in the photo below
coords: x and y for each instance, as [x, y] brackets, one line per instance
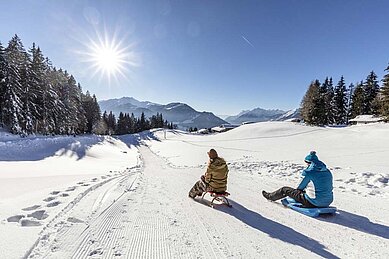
[15, 218]
[54, 192]
[98, 251]
[80, 183]
[64, 195]
[85, 184]
[95, 180]
[75, 220]
[49, 199]
[34, 207]
[53, 204]
[39, 215]
[29, 223]
[70, 189]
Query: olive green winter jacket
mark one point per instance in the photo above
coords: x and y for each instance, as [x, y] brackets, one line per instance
[216, 175]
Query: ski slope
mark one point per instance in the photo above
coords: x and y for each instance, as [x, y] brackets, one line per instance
[140, 208]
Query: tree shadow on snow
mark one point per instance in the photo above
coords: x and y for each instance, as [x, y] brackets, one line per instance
[357, 222]
[38, 148]
[275, 229]
[137, 139]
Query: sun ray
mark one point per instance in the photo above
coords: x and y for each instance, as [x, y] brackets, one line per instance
[110, 57]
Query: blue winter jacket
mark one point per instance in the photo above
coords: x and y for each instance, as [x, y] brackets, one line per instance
[321, 178]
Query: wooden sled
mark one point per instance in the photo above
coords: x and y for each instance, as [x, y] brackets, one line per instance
[220, 197]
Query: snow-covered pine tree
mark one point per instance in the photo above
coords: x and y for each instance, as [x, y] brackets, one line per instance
[330, 102]
[322, 103]
[310, 108]
[340, 101]
[371, 89]
[385, 95]
[3, 67]
[53, 108]
[36, 86]
[81, 117]
[357, 101]
[13, 116]
[121, 124]
[92, 111]
[112, 123]
[350, 92]
[74, 102]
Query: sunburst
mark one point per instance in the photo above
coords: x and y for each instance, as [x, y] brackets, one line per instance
[109, 57]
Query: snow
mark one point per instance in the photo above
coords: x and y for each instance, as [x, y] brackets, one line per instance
[127, 196]
[366, 118]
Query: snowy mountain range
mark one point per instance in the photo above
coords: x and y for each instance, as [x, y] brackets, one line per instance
[179, 113]
[259, 114]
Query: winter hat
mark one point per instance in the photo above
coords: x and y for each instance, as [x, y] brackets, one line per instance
[212, 153]
[312, 157]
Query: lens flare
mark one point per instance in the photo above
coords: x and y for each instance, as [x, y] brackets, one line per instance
[109, 58]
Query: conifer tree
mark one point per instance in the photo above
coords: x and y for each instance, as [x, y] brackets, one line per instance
[13, 93]
[92, 111]
[121, 125]
[371, 89]
[327, 91]
[3, 66]
[310, 105]
[358, 100]
[385, 95]
[340, 101]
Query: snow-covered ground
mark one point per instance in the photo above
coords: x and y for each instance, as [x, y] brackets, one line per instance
[103, 197]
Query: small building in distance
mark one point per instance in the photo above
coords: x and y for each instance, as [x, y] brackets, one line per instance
[365, 119]
[224, 127]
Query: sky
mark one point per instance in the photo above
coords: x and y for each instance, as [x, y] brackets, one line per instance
[218, 56]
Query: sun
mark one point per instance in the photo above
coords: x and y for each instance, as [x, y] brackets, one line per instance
[109, 57]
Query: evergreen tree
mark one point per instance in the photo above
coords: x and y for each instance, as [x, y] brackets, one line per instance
[92, 111]
[358, 100]
[310, 105]
[326, 102]
[340, 101]
[121, 128]
[36, 86]
[349, 101]
[385, 95]
[13, 116]
[81, 114]
[3, 75]
[371, 89]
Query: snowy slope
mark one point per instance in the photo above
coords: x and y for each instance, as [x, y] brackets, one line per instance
[144, 211]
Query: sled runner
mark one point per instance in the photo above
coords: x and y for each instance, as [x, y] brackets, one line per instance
[311, 212]
[220, 197]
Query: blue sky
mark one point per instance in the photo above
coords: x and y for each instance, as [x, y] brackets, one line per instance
[219, 56]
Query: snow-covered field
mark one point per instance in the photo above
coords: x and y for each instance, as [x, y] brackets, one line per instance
[126, 197]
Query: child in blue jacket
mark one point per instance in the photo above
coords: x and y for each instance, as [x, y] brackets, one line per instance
[321, 178]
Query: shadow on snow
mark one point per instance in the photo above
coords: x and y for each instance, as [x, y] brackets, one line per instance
[137, 139]
[359, 223]
[38, 148]
[275, 229]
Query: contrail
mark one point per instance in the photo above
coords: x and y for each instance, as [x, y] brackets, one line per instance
[248, 42]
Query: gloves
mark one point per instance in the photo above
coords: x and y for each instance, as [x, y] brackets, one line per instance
[202, 178]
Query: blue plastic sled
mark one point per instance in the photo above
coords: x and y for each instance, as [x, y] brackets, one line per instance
[311, 212]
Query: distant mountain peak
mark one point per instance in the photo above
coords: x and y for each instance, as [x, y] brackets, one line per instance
[179, 113]
[256, 115]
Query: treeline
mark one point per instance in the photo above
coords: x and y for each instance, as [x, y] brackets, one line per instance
[326, 104]
[36, 97]
[129, 124]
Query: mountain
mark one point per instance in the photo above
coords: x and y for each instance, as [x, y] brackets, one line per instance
[179, 113]
[259, 114]
[290, 115]
[255, 115]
